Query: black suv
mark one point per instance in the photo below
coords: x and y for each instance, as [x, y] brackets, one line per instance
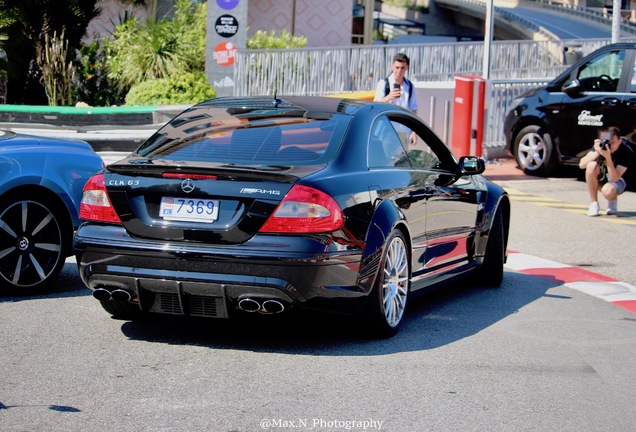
[557, 124]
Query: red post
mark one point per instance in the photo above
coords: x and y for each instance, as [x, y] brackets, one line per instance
[468, 115]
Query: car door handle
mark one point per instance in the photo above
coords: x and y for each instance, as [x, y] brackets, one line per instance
[631, 103]
[609, 102]
[425, 192]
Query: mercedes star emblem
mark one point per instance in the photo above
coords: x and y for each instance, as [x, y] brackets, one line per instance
[187, 185]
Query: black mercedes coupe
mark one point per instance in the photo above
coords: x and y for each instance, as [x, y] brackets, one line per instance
[264, 204]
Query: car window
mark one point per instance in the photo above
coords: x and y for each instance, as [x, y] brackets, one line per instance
[386, 148]
[390, 146]
[420, 155]
[279, 141]
[602, 73]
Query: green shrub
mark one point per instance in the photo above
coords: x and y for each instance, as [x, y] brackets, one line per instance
[92, 85]
[269, 40]
[143, 51]
[187, 88]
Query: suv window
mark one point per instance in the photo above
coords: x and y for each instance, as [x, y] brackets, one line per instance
[602, 73]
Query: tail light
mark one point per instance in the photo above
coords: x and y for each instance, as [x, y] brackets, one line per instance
[305, 210]
[95, 205]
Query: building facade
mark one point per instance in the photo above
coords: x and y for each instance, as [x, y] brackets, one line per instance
[323, 23]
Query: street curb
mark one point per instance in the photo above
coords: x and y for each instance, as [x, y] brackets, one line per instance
[620, 294]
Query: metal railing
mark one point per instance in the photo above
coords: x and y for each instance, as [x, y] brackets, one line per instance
[516, 67]
[320, 71]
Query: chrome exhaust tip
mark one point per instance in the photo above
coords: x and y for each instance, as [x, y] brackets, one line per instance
[101, 294]
[120, 295]
[249, 305]
[273, 306]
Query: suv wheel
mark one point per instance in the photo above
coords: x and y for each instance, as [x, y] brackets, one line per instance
[534, 151]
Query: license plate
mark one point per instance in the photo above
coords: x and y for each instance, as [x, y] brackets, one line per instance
[189, 209]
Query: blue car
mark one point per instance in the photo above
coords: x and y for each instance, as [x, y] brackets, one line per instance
[41, 182]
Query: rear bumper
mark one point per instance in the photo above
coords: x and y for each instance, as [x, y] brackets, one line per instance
[212, 281]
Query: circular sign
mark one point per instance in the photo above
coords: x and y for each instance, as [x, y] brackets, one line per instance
[224, 54]
[227, 4]
[226, 26]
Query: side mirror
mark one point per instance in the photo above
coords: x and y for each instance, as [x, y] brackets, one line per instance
[572, 86]
[471, 165]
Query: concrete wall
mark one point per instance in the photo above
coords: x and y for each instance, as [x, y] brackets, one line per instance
[435, 101]
[323, 23]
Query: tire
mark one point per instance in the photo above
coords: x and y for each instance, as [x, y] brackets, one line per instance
[35, 237]
[490, 272]
[121, 310]
[534, 151]
[388, 298]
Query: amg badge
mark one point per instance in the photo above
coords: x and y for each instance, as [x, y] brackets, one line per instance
[260, 191]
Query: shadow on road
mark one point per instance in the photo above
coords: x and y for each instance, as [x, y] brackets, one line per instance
[431, 321]
[66, 285]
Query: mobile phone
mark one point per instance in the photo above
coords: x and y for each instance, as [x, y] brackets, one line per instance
[396, 85]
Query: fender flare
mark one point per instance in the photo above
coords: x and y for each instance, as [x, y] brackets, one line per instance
[497, 199]
[386, 217]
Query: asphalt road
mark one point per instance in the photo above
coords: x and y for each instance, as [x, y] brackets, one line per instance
[534, 355]
[549, 220]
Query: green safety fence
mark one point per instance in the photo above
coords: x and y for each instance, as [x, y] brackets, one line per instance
[77, 110]
[68, 116]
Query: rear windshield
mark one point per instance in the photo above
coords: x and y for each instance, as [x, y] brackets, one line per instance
[265, 141]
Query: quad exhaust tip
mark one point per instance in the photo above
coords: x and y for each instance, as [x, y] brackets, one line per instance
[268, 306]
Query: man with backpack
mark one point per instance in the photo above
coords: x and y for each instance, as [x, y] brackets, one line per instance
[398, 90]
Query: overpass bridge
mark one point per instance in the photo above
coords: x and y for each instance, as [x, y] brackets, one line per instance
[534, 20]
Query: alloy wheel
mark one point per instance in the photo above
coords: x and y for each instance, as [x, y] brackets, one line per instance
[531, 151]
[31, 244]
[395, 281]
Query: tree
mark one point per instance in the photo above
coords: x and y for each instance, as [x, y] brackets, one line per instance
[30, 22]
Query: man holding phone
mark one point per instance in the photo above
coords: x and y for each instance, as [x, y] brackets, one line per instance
[398, 90]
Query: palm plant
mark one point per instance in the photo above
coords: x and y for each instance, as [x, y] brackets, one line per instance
[31, 21]
[5, 21]
[57, 73]
[151, 50]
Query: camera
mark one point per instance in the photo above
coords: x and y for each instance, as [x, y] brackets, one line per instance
[604, 144]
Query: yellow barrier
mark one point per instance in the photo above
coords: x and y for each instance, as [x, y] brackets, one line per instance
[360, 95]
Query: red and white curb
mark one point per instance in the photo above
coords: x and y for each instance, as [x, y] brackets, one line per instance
[618, 293]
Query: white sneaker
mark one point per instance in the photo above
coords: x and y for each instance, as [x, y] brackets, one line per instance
[593, 210]
[612, 207]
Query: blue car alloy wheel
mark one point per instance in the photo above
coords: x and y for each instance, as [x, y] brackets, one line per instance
[33, 243]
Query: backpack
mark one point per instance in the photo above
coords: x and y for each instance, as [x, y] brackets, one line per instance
[407, 83]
